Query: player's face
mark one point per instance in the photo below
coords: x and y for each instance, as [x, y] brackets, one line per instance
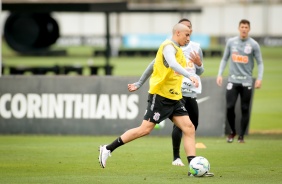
[184, 37]
[244, 30]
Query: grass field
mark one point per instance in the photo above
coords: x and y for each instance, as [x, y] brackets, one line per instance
[73, 159]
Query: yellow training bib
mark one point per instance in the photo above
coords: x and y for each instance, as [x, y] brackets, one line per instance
[165, 81]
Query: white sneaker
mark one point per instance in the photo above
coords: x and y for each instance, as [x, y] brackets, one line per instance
[104, 154]
[178, 162]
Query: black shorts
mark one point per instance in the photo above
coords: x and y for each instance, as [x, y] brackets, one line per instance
[160, 108]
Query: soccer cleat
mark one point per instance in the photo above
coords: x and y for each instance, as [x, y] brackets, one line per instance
[208, 174]
[230, 138]
[241, 139]
[103, 156]
[190, 174]
[178, 162]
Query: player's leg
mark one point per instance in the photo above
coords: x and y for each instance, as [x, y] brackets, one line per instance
[105, 151]
[231, 98]
[183, 121]
[144, 129]
[155, 113]
[188, 130]
[192, 108]
[245, 95]
[176, 136]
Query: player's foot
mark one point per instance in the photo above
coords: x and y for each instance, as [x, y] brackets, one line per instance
[103, 156]
[230, 138]
[241, 139]
[190, 174]
[208, 174]
[178, 162]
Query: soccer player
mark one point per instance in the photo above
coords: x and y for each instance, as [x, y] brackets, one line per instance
[194, 57]
[165, 88]
[242, 50]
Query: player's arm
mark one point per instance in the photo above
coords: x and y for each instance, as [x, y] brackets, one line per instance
[169, 55]
[146, 74]
[258, 57]
[223, 63]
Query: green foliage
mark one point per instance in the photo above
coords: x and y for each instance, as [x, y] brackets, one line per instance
[73, 159]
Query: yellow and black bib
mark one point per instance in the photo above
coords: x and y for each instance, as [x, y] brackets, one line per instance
[165, 81]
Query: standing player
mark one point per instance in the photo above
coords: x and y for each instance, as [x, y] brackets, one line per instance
[194, 58]
[242, 50]
[165, 88]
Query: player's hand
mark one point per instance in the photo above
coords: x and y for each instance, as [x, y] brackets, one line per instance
[195, 81]
[131, 87]
[219, 80]
[258, 84]
[195, 58]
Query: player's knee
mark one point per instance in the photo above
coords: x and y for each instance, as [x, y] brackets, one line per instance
[245, 108]
[146, 131]
[189, 129]
[191, 126]
[192, 129]
[230, 107]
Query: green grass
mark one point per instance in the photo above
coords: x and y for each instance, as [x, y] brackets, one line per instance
[73, 159]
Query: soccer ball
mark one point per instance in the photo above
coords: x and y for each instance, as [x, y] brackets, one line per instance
[199, 166]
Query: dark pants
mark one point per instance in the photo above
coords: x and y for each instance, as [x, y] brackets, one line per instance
[232, 93]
